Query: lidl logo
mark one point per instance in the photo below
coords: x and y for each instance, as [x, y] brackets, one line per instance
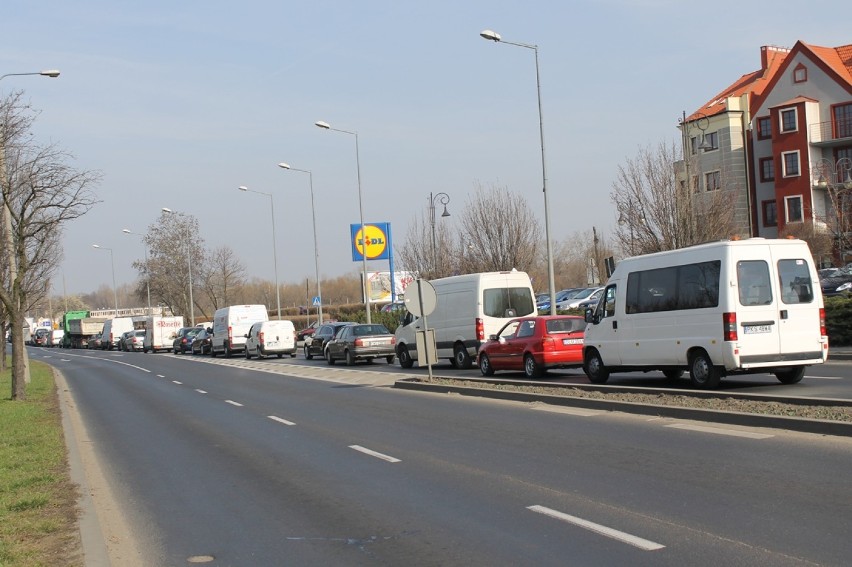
[373, 243]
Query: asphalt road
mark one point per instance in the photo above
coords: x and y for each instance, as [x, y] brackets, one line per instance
[242, 462]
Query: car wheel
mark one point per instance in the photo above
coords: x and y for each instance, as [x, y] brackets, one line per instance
[328, 358]
[390, 358]
[350, 358]
[405, 360]
[703, 374]
[462, 357]
[308, 355]
[292, 355]
[532, 369]
[228, 352]
[212, 352]
[594, 368]
[248, 355]
[485, 365]
[791, 376]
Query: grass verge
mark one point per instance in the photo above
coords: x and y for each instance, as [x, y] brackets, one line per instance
[38, 508]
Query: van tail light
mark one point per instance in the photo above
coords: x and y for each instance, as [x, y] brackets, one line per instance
[729, 326]
[260, 337]
[480, 329]
[230, 335]
[822, 330]
[393, 340]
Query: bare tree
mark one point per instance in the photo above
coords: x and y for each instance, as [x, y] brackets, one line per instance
[417, 253]
[41, 192]
[222, 276]
[658, 212]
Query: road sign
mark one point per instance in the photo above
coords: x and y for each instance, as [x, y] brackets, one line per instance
[316, 302]
[420, 298]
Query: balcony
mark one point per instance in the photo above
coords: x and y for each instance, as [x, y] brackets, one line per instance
[831, 134]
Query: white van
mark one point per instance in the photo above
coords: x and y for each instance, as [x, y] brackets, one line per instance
[160, 332]
[469, 309]
[230, 325]
[267, 338]
[729, 307]
[113, 329]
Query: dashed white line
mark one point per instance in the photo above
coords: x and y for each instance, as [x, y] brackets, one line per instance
[176, 382]
[825, 377]
[629, 539]
[720, 431]
[366, 451]
[280, 420]
[200, 391]
[160, 376]
[233, 403]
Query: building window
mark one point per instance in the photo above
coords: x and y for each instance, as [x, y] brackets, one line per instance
[764, 128]
[767, 169]
[713, 181]
[842, 120]
[770, 213]
[790, 160]
[800, 74]
[793, 205]
[789, 122]
[711, 141]
[693, 145]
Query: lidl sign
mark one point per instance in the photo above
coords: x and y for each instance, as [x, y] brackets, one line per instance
[373, 243]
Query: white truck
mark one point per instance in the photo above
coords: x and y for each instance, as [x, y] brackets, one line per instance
[160, 332]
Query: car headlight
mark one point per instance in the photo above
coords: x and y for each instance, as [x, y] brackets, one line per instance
[845, 286]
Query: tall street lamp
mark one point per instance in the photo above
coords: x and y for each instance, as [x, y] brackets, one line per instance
[112, 262]
[189, 267]
[551, 279]
[274, 245]
[326, 126]
[283, 165]
[444, 199]
[147, 268]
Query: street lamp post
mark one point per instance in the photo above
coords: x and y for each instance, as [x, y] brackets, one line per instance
[326, 126]
[189, 267]
[274, 244]
[112, 263]
[551, 278]
[444, 199]
[147, 268]
[283, 165]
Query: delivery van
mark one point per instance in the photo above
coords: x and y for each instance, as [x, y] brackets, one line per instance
[160, 332]
[230, 325]
[113, 329]
[728, 307]
[267, 338]
[469, 309]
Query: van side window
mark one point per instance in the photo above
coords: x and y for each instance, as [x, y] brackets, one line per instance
[795, 279]
[689, 286]
[606, 308]
[753, 282]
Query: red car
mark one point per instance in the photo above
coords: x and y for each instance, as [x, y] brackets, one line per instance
[534, 344]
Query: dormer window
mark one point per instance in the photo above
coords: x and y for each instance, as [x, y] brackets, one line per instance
[800, 74]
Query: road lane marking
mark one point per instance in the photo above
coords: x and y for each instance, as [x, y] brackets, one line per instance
[65, 359]
[279, 420]
[200, 391]
[629, 539]
[569, 411]
[720, 431]
[366, 451]
[160, 376]
[176, 382]
[233, 403]
[825, 377]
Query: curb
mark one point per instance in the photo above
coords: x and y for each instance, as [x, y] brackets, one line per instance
[822, 427]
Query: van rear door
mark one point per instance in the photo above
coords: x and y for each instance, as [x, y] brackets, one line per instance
[798, 305]
[757, 326]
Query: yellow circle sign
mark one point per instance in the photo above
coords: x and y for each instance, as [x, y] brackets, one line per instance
[375, 243]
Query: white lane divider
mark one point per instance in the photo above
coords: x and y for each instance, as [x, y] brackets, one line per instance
[233, 403]
[280, 420]
[200, 391]
[176, 382]
[629, 539]
[809, 377]
[720, 431]
[160, 376]
[366, 451]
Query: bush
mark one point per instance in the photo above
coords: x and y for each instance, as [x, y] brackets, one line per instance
[838, 320]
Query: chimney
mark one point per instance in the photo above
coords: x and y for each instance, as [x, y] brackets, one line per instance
[768, 52]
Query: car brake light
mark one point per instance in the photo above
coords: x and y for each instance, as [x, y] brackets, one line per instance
[729, 326]
[393, 340]
[480, 329]
[230, 334]
[822, 329]
[359, 342]
[548, 343]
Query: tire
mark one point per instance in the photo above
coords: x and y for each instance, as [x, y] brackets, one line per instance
[703, 374]
[292, 355]
[594, 368]
[532, 369]
[212, 352]
[462, 357]
[350, 358]
[485, 365]
[405, 360]
[248, 355]
[328, 358]
[791, 376]
[228, 352]
[280, 355]
[390, 358]
[673, 373]
[308, 355]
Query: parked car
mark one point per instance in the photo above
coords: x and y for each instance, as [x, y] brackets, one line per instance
[307, 331]
[828, 273]
[838, 284]
[40, 336]
[122, 340]
[393, 307]
[96, 341]
[267, 338]
[576, 299]
[534, 345]
[591, 301]
[202, 343]
[315, 343]
[361, 342]
[561, 295]
[54, 339]
[183, 340]
[134, 340]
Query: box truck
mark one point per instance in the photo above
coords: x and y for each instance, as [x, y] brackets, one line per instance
[160, 332]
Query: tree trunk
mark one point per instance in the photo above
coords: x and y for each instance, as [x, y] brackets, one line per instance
[20, 374]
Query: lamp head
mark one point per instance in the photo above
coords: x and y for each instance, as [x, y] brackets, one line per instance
[446, 213]
[490, 35]
[95, 246]
[283, 165]
[242, 188]
[50, 73]
[323, 125]
[167, 210]
[126, 231]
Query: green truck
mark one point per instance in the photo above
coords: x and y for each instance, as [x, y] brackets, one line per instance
[78, 329]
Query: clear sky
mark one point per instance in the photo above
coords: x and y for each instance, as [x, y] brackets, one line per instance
[178, 103]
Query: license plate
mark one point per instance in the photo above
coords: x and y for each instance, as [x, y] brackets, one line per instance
[572, 341]
[271, 343]
[757, 329]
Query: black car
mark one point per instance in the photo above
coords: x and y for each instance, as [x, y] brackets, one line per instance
[183, 340]
[201, 344]
[838, 284]
[315, 344]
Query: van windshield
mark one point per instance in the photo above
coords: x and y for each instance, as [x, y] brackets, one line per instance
[508, 302]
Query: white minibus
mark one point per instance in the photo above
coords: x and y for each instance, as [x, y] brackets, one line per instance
[728, 307]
